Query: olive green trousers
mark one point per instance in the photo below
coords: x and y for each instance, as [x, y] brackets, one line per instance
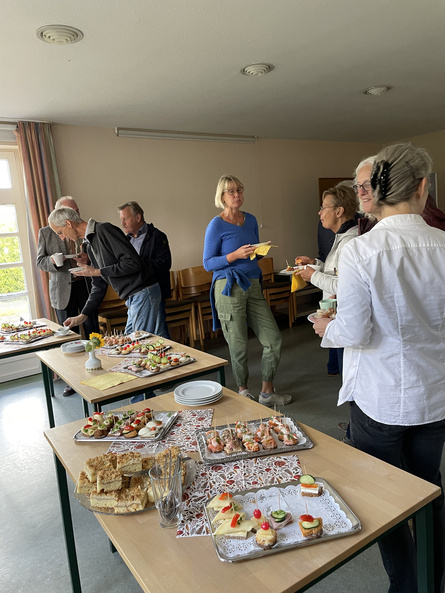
[238, 312]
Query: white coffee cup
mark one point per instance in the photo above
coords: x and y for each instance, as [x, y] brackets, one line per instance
[58, 259]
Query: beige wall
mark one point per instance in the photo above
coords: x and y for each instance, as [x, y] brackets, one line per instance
[435, 145]
[175, 182]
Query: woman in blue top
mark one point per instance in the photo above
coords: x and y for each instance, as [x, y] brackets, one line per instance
[236, 295]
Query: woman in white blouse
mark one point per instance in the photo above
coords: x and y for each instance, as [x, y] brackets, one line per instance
[391, 322]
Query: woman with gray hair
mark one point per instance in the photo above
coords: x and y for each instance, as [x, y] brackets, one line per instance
[390, 320]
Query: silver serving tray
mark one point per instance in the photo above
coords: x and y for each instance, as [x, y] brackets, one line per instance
[298, 504]
[84, 499]
[169, 418]
[31, 341]
[134, 354]
[304, 442]
[123, 368]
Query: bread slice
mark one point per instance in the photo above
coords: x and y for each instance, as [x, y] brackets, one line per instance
[312, 490]
[314, 531]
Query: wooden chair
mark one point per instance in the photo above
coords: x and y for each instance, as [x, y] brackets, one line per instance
[180, 314]
[112, 312]
[276, 293]
[194, 284]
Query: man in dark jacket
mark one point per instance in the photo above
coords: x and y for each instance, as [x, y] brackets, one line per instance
[113, 261]
[152, 246]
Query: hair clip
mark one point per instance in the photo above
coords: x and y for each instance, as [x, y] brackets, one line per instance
[380, 177]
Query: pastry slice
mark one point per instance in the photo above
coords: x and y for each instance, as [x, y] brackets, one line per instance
[84, 486]
[108, 480]
[129, 500]
[95, 464]
[102, 500]
[129, 462]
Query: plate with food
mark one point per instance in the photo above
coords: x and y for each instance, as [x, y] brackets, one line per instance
[262, 521]
[153, 364]
[145, 426]
[31, 336]
[119, 484]
[12, 328]
[241, 440]
[321, 314]
[291, 269]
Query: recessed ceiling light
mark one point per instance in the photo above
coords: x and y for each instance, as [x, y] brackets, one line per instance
[376, 91]
[257, 69]
[59, 34]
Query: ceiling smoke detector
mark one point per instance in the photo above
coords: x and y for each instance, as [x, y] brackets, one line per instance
[257, 69]
[59, 34]
[376, 91]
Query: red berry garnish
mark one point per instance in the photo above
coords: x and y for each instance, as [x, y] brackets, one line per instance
[257, 513]
[265, 525]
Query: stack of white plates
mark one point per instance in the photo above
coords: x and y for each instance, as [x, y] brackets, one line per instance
[198, 393]
[74, 347]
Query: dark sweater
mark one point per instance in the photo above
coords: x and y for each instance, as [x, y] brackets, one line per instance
[119, 264]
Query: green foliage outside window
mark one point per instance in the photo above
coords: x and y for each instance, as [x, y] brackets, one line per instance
[12, 280]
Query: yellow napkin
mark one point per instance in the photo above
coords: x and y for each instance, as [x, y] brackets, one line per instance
[297, 283]
[108, 380]
[262, 250]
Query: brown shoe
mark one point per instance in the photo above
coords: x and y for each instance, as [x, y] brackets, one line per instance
[68, 391]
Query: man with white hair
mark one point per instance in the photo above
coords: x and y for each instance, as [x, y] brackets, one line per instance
[67, 293]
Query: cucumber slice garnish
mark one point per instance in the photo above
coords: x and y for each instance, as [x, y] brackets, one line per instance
[307, 479]
[310, 524]
[278, 515]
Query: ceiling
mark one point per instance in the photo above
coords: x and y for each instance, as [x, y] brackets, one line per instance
[175, 65]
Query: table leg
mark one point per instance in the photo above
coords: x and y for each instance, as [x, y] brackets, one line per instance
[68, 526]
[425, 549]
[86, 409]
[49, 392]
[222, 376]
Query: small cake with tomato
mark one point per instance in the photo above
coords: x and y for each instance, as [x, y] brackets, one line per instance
[311, 527]
[309, 487]
[266, 537]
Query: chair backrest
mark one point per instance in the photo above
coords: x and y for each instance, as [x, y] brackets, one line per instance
[111, 301]
[173, 288]
[266, 265]
[193, 282]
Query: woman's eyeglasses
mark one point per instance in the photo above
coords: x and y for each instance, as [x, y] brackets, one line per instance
[232, 192]
[324, 208]
[366, 186]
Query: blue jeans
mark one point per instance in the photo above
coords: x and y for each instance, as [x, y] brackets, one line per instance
[418, 450]
[145, 312]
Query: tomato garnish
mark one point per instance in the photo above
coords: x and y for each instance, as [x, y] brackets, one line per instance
[234, 521]
[227, 508]
[265, 525]
[308, 518]
[257, 513]
[225, 495]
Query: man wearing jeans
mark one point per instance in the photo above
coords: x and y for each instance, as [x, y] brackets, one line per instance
[113, 261]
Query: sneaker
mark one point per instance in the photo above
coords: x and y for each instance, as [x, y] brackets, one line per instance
[273, 399]
[246, 393]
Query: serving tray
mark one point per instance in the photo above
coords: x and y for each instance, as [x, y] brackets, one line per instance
[168, 419]
[123, 366]
[304, 442]
[338, 519]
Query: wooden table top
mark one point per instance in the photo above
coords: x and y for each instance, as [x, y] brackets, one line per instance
[71, 368]
[9, 348]
[379, 494]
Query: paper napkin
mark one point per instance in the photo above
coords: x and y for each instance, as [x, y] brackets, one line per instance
[108, 380]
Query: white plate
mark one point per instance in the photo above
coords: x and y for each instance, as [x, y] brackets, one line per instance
[311, 317]
[74, 347]
[193, 403]
[260, 244]
[197, 390]
[75, 269]
[71, 255]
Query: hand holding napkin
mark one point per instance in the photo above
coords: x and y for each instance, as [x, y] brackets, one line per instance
[297, 282]
[261, 250]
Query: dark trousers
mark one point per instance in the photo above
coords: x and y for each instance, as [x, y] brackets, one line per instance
[78, 298]
[417, 450]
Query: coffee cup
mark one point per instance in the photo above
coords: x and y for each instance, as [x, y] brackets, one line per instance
[328, 304]
[58, 259]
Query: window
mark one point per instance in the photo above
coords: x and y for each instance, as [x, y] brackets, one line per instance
[15, 267]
